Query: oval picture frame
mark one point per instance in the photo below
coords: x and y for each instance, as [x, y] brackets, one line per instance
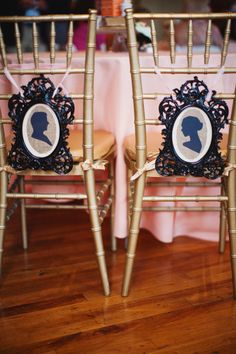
[40, 118]
[192, 134]
[40, 130]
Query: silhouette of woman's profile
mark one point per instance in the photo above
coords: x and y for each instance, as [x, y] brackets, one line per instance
[190, 127]
[39, 124]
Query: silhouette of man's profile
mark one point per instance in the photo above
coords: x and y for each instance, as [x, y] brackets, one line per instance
[39, 124]
[190, 127]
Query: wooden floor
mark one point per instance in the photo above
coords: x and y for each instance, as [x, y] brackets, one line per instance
[51, 297]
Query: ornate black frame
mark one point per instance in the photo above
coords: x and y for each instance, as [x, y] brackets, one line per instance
[193, 93]
[41, 90]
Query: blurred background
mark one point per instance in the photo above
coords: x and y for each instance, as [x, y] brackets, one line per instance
[110, 41]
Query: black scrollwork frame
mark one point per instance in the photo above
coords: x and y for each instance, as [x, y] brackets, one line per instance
[193, 93]
[41, 90]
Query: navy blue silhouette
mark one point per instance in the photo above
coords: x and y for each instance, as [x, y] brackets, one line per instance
[40, 124]
[190, 127]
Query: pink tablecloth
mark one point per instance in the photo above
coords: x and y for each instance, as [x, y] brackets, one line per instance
[113, 109]
[113, 102]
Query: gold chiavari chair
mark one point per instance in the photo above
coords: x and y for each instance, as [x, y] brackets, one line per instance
[47, 143]
[168, 152]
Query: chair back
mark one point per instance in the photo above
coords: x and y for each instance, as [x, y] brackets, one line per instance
[179, 71]
[58, 78]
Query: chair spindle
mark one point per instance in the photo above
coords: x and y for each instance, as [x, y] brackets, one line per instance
[18, 44]
[3, 49]
[154, 43]
[35, 45]
[190, 43]
[208, 42]
[226, 42]
[69, 44]
[172, 42]
[52, 42]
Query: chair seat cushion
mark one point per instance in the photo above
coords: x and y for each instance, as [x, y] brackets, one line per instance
[104, 144]
[154, 141]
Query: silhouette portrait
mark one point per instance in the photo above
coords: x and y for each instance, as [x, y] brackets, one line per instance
[190, 127]
[39, 124]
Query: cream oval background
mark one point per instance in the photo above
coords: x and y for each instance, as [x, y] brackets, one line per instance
[205, 135]
[37, 147]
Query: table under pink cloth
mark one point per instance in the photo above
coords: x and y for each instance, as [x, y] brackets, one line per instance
[113, 86]
[113, 111]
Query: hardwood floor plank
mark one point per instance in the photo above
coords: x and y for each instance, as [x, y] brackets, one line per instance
[51, 297]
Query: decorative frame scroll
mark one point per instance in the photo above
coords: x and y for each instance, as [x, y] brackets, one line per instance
[192, 132]
[40, 118]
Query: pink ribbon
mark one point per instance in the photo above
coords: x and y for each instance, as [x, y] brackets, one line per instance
[61, 83]
[218, 76]
[12, 80]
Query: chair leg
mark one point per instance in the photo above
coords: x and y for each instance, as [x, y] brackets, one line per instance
[133, 233]
[130, 196]
[3, 207]
[231, 191]
[23, 216]
[130, 193]
[96, 228]
[222, 222]
[112, 195]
